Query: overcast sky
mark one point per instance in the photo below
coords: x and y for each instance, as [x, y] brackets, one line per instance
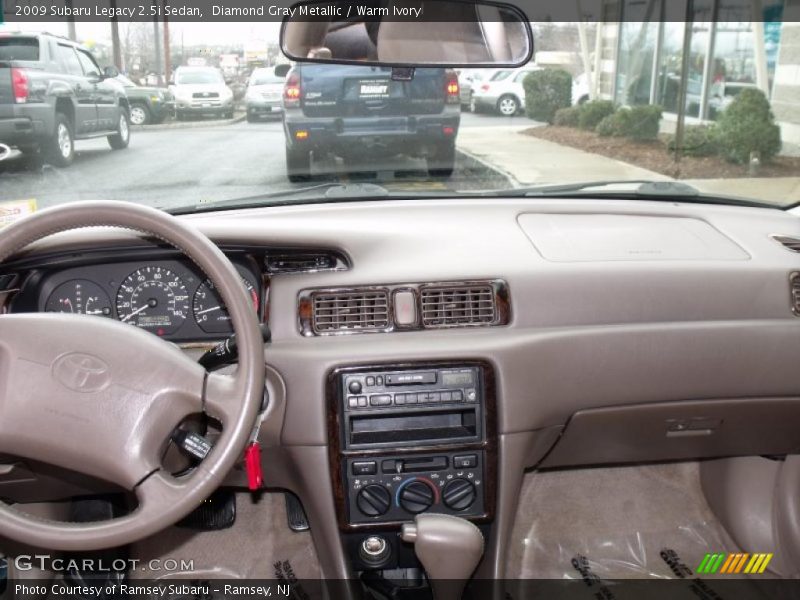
[193, 33]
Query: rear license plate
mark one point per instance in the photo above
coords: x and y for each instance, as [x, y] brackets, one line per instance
[206, 105]
[373, 89]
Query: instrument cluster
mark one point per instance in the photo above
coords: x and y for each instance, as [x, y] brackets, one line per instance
[169, 298]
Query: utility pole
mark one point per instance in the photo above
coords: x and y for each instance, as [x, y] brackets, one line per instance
[71, 23]
[682, 89]
[157, 48]
[115, 46]
[167, 60]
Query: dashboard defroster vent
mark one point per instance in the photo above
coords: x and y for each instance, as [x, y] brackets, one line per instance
[794, 284]
[457, 305]
[787, 242]
[350, 311]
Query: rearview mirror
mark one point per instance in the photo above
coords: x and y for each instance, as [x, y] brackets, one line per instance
[445, 33]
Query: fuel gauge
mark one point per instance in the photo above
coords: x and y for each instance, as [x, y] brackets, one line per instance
[79, 296]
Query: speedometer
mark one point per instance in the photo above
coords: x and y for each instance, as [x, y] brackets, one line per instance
[153, 298]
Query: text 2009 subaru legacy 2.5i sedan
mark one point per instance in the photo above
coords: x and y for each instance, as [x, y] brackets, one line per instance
[382, 348]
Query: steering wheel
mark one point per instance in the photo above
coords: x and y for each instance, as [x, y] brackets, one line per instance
[102, 398]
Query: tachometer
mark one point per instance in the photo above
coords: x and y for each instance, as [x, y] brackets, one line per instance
[153, 298]
[209, 311]
[79, 296]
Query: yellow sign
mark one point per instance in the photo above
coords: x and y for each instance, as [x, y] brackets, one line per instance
[14, 210]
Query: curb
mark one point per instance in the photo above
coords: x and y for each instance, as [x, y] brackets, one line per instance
[190, 124]
[486, 164]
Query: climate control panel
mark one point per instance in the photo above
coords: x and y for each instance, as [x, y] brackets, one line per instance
[396, 487]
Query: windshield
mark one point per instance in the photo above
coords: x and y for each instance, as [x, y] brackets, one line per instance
[713, 105]
[197, 77]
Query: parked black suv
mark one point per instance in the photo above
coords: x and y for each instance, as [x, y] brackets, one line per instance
[52, 92]
[355, 111]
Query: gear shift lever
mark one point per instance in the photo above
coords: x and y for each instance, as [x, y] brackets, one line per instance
[449, 549]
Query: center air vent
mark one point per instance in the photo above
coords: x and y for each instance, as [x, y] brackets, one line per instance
[789, 243]
[457, 305]
[794, 282]
[344, 311]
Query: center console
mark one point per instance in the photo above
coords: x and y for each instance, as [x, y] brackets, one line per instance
[408, 439]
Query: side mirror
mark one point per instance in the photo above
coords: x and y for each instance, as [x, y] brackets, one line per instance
[110, 72]
[282, 70]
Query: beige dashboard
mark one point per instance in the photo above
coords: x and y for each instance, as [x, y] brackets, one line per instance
[681, 312]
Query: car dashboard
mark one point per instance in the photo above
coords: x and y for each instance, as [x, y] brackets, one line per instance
[437, 349]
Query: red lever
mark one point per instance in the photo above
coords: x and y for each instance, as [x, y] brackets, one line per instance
[252, 464]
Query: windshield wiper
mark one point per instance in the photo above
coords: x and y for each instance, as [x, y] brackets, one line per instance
[333, 192]
[642, 189]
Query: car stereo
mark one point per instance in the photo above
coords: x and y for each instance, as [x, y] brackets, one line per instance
[413, 438]
[412, 408]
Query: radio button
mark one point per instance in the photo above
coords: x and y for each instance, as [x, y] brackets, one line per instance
[362, 402]
[458, 396]
[354, 386]
[352, 401]
[411, 398]
[399, 399]
[446, 397]
[380, 400]
[370, 380]
[471, 395]
[379, 380]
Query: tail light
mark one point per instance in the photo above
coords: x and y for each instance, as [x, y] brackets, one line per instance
[19, 85]
[291, 91]
[451, 87]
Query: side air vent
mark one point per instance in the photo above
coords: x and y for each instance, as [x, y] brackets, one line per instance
[789, 243]
[303, 262]
[794, 283]
[6, 279]
[457, 305]
[350, 311]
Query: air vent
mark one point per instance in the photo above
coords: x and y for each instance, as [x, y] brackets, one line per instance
[457, 305]
[794, 282]
[300, 262]
[6, 279]
[350, 311]
[790, 243]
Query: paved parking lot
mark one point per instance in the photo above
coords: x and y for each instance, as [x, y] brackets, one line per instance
[175, 166]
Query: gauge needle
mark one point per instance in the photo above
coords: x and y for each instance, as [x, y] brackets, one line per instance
[137, 311]
[208, 310]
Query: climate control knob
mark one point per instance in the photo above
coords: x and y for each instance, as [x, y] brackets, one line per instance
[458, 494]
[416, 497]
[373, 500]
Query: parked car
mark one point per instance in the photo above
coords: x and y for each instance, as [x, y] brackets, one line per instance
[580, 89]
[467, 78]
[148, 104]
[52, 92]
[264, 93]
[723, 93]
[502, 92]
[201, 91]
[355, 111]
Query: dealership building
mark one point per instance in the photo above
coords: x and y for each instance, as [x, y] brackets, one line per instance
[733, 45]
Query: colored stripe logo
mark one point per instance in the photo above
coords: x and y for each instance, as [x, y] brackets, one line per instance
[725, 563]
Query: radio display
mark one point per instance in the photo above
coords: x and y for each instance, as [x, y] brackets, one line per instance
[453, 378]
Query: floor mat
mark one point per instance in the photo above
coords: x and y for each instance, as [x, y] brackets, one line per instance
[259, 545]
[614, 523]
